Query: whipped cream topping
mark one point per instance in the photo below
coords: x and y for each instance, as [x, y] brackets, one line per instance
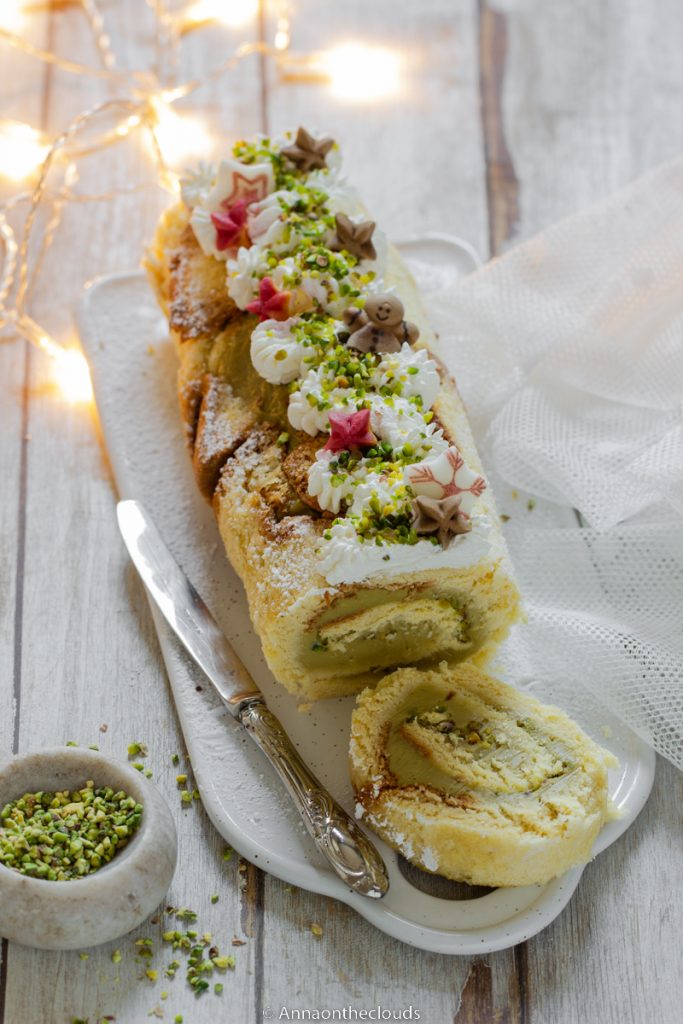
[347, 558]
[414, 370]
[276, 353]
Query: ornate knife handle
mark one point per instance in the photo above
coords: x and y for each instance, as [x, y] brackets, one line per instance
[343, 844]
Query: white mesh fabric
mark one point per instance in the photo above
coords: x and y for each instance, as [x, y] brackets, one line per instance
[568, 352]
[605, 614]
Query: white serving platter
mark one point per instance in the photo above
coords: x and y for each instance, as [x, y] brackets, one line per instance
[134, 367]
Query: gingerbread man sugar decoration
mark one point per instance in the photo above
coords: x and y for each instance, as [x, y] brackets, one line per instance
[379, 326]
[444, 476]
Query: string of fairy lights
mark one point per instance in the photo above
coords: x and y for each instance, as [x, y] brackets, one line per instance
[144, 102]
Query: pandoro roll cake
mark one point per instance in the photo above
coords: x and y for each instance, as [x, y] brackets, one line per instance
[323, 427]
[475, 781]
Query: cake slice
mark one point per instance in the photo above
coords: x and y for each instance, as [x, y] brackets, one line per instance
[324, 428]
[475, 781]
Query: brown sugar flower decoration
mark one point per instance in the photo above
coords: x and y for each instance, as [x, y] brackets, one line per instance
[308, 153]
[356, 239]
[441, 516]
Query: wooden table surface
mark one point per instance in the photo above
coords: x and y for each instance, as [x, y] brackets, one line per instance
[512, 114]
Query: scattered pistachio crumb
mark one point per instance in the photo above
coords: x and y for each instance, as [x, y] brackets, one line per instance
[227, 853]
[513, 494]
[316, 930]
[223, 962]
[148, 773]
[116, 956]
[84, 956]
[135, 749]
[181, 779]
[531, 504]
[186, 796]
[178, 1019]
[175, 759]
[93, 746]
[218, 988]
[164, 994]
[195, 794]
[214, 898]
[70, 743]
[139, 767]
[152, 974]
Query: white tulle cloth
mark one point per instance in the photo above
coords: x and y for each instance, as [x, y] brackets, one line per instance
[568, 352]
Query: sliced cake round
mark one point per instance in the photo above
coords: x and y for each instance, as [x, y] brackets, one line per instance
[471, 779]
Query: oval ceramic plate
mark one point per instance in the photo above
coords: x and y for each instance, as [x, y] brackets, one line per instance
[134, 373]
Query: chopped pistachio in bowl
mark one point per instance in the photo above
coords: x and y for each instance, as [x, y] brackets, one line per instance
[98, 897]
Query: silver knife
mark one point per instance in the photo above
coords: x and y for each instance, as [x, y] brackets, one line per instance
[336, 835]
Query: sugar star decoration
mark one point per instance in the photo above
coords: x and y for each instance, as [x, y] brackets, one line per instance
[308, 153]
[231, 225]
[446, 476]
[441, 516]
[350, 430]
[354, 238]
[271, 304]
[236, 181]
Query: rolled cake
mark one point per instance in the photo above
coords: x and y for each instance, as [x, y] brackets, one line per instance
[323, 427]
[473, 780]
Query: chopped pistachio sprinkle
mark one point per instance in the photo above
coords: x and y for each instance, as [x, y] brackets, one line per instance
[66, 835]
[137, 750]
[227, 853]
[316, 930]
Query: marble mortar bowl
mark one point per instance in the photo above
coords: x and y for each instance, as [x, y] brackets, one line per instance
[118, 896]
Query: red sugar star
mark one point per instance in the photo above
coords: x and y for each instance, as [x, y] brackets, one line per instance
[350, 430]
[231, 225]
[271, 304]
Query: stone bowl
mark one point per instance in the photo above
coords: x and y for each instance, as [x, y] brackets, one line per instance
[112, 900]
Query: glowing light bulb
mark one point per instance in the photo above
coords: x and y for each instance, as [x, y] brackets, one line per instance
[11, 15]
[70, 371]
[22, 150]
[179, 136]
[232, 13]
[362, 73]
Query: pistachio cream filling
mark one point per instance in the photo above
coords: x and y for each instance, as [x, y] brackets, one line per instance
[458, 744]
[299, 254]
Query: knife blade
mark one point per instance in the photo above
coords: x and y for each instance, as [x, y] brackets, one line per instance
[337, 836]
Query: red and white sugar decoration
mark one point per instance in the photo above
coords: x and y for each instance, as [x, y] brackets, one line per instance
[446, 475]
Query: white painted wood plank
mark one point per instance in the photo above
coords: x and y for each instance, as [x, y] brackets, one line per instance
[415, 157]
[90, 652]
[591, 99]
